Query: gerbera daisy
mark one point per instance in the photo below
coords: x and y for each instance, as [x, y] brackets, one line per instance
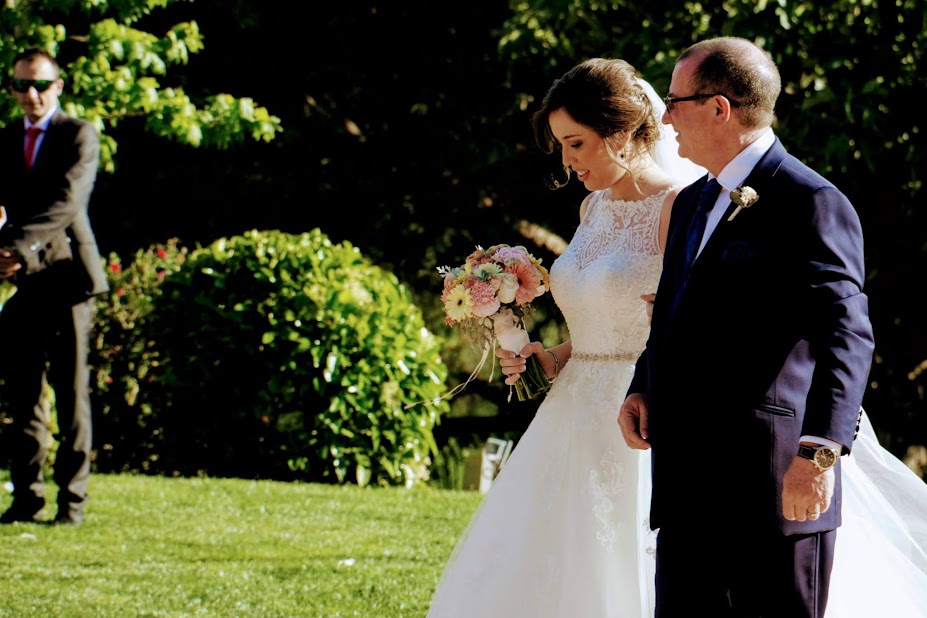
[528, 282]
[459, 305]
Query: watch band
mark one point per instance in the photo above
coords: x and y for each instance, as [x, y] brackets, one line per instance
[807, 451]
[822, 457]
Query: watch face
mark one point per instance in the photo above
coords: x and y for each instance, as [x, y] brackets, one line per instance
[825, 458]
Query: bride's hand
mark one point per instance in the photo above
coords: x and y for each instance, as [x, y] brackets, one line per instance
[649, 298]
[513, 365]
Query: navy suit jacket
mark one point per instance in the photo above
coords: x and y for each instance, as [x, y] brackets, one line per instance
[47, 209]
[769, 340]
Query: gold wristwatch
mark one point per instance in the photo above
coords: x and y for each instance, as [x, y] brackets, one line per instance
[823, 457]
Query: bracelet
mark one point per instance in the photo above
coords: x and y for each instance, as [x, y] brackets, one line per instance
[556, 365]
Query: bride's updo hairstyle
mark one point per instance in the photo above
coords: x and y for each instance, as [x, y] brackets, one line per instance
[604, 95]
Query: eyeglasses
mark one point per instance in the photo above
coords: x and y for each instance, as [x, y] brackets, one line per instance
[671, 102]
[23, 85]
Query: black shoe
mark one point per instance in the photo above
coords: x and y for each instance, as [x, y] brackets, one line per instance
[68, 518]
[19, 514]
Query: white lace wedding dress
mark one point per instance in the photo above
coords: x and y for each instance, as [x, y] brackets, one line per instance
[562, 533]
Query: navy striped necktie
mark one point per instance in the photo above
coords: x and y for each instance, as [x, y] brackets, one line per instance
[706, 199]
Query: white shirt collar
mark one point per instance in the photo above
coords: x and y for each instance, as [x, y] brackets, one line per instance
[44, 121]
[735, 173]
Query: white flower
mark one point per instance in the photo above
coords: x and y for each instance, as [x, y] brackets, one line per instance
[509, 335]
[744, 197]
[508, 286]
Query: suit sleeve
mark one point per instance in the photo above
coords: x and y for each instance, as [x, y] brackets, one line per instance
[70, 200]
[840, 337]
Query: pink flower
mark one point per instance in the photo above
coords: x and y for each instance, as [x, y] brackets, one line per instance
[529, 282]
[512, 255]
[485, 302]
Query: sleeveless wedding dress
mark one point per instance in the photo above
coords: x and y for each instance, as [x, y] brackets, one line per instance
[563, 531]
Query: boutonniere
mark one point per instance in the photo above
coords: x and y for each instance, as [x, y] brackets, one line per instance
[744, 197]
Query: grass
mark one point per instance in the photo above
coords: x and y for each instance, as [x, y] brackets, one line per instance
[154, 546]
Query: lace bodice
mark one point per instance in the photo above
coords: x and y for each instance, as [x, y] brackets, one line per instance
[614, 257]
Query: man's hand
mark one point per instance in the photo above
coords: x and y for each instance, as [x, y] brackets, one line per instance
[9, 263]
[632, 419]
[806, 491]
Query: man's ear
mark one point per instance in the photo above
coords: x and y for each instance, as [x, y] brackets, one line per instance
[723, 108]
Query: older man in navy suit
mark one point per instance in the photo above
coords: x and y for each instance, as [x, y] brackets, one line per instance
[47, 248]
[751, 384]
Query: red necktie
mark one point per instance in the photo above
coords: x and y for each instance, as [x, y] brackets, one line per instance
[32, 135]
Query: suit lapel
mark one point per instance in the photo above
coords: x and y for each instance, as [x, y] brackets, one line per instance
[673, 280]
[760, 178]
[683, 209]
[14, 147]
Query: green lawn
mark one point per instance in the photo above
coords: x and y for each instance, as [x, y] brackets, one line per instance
[155, 546]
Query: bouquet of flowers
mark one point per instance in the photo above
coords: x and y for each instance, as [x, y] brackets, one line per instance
[489, 297]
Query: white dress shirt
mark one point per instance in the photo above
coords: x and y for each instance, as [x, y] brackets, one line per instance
[732, 176]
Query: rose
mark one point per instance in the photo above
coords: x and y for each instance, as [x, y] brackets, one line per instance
[509, 335]
[507, 287]
[744, 197]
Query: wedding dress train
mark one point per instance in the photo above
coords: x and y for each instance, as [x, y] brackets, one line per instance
[880, 561]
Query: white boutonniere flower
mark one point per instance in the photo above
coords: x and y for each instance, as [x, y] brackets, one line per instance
[744, 197]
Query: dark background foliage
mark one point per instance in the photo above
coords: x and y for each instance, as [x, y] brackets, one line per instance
[406, 132]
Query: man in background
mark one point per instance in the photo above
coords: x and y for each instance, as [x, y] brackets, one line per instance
[48, 164]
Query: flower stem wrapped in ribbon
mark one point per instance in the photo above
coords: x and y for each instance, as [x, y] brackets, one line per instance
[489, 297]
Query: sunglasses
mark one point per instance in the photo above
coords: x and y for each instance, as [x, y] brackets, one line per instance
[671, 102]
[23, 85]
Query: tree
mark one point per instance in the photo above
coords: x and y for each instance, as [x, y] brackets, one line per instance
[116, 71]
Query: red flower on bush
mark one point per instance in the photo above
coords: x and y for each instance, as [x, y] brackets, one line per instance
[115, 267]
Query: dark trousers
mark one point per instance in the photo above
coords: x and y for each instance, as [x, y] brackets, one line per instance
[725, 572]
[47, 339]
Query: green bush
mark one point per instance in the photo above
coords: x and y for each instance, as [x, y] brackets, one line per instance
[288, 356]
[125, 361]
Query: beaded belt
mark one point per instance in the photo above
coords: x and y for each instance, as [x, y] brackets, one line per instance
[618, 356]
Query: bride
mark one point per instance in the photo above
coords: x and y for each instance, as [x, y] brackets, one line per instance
[563, 530]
